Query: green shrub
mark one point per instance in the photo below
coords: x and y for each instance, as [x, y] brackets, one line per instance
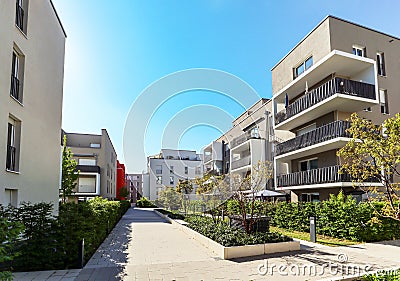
[384, 275]
[145, 203]
[52, 243]
[172, 214]
[340, 217]
[227, 236]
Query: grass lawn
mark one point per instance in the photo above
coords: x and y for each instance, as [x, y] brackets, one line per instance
[325, 240]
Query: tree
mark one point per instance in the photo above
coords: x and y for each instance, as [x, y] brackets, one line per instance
[169, 198]
[373, 154]
[184, 187]
[69, 175]
[245, 190]
[123, 192]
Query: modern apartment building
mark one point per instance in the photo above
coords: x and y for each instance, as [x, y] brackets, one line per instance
[135, 185]
[32, 46]
[97, 163]
[250, 140]
[337, 69]
[168, 167]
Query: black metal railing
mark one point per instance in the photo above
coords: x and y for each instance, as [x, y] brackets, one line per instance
[315, 176]
[245, 161]
[336, 85]
[15, 85]
[19, 17]
[10, 159]
[243, 138]
[326, 132]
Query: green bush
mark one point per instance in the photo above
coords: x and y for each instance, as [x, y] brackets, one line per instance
[384, 275]
[227, 236]
[340, 216]
[145, 203]
[172, 214]
[52, 243]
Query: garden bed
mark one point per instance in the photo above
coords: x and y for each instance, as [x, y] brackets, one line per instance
[232, 243]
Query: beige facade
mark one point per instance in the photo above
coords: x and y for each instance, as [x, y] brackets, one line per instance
[97, 162]
[32, 46]
[337, 69]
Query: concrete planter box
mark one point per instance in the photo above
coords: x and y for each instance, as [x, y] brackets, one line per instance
[236, 251]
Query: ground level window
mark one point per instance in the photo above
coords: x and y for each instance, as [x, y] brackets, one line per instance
[310, 197]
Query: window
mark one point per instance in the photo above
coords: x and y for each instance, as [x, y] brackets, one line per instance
[171, 180]
[21, 17]
[86, 184]
[359, 51]
[368, 109]
[297, 71]
[13, 134]
[186, 170]
[86, 161]
[171, 169]
[308, 165]
[158, 169]
[17, 74]
[198, 171]
[310, 197]
[159, 180]
[384, 101]
[11, 197]
[306, 129]
[380, 61]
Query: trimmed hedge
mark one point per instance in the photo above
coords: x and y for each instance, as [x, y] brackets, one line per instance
[227, 236]
[340, 217]
[52, 242]
[145, 203]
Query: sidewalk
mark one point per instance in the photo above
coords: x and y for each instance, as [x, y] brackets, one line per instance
[144, 247]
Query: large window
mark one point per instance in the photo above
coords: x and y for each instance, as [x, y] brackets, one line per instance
[171, 180]
[298, 70]
[310, 197]
[13, 133]
[158, 169]
[307, 165]
[186, 170]
[384, 101]
[87, 184]
[380, 61]
[11, 197]
[17, 74]
[159, 180]
[21, 15]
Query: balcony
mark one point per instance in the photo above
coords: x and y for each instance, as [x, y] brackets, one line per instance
[327, 175]
[19, 17]
[339, 87]
[15, 85]
[207, 158]
[315, 176]
[242, 162]
[10, 160]
[321, 134]
[243, 138]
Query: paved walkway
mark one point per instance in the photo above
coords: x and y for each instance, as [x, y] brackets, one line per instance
[144, 247]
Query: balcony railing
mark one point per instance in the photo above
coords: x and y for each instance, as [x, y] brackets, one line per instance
[242, 162]
[243, 138]
[14, 91]
[207, 158]
[10, 160]
[326, 132]
[315, 176]
[19, 17]
[336, 85]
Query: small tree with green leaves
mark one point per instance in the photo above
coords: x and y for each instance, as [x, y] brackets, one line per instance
[170, 198]
[184, 187]
[373, 153]
[123, 192]
[69, 173]
[245, 191]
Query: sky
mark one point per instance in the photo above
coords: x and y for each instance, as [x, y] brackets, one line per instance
[122, 55]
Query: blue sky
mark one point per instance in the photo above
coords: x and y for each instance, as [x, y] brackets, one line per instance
[115, 49]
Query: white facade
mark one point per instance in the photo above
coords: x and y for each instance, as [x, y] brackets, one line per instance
[213, 157]
[168, 167]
